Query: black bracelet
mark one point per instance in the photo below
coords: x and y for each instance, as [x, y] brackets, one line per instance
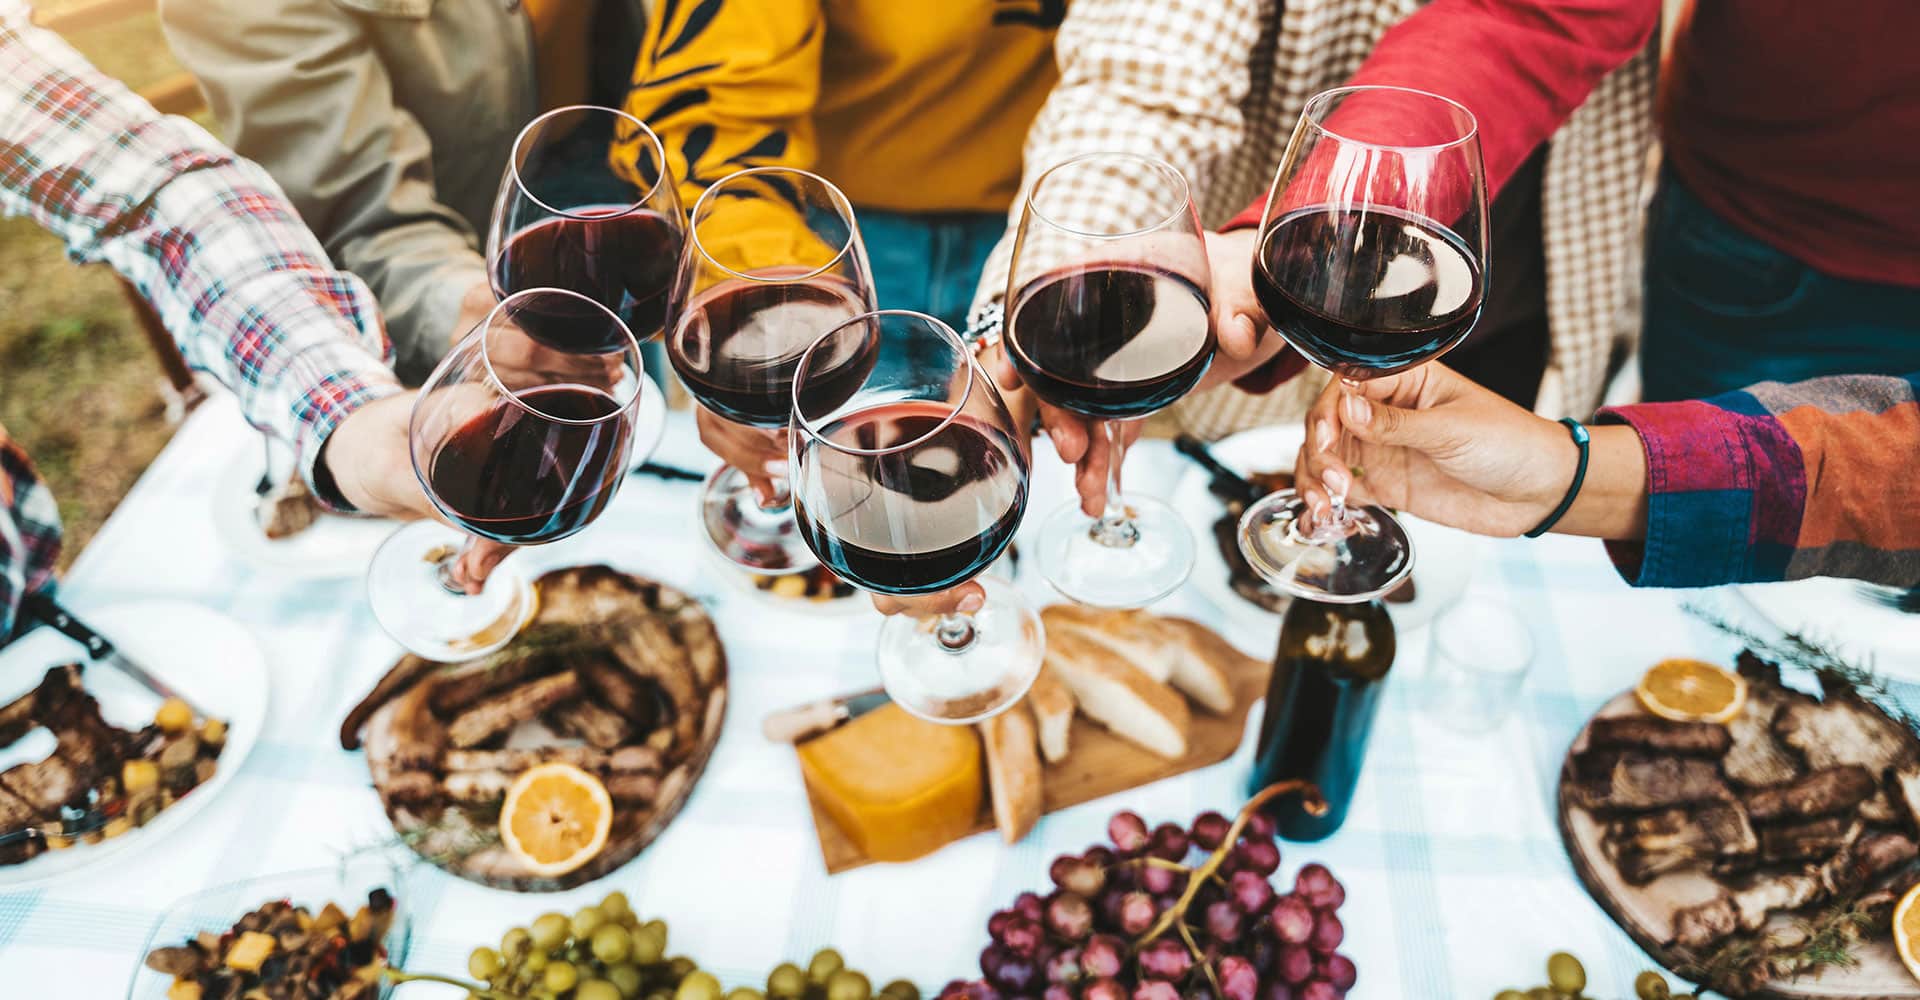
[1580, 440]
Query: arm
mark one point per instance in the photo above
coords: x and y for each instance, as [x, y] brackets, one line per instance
[29, 532]
[204, 235]
[297, 86]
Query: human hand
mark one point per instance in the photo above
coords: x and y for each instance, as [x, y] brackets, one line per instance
[760, 455]
[1435, 444]
[519, 361]
[964, 599]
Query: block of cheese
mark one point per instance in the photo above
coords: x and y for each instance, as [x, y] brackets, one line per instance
[897, 786]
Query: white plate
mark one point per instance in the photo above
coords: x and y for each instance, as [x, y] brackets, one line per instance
[1443, 558]
[1836, 612]
[213, 661]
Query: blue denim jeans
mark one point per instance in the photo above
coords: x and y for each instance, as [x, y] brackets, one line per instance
[1724, 310]
[929, 263]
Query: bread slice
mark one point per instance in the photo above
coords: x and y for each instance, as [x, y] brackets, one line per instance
[1129, 635]
[1052, 705]
[1204, 670]
[1013, 771]
[1118, 695]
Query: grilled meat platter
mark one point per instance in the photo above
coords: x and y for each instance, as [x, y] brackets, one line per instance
[1695, 835]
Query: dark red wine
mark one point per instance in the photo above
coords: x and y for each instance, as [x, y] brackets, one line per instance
[624, 260]
[516, 474]
[1328, 674]
[738, 344]
[1113, 342]
[1366, 294]
[920, 520]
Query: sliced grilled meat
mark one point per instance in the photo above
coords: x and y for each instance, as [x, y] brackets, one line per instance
[637, 701]
[469, 685]
[1821, 793]
[1716, 834]
[1659, 736]
[638, 759]
[1757, 758]
[1612, 782]
[503, 711]
[1746, 910]
[1845, 728]
[1813, 840]
[585, 720]
[1903, 792]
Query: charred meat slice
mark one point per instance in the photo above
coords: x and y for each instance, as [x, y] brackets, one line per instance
[1845, 728]
[1813, 840]
[1757, 758]
[585, 758]
[1659, 736]
[1903, 791]
[599, 727]
[503, 711]
[1746, 910]
[1611, 782]
[1716, 834]
[1822, 793]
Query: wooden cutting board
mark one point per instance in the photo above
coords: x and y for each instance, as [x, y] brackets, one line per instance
[1100, 764]
[1646, 912]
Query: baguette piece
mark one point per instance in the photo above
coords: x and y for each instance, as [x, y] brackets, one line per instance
[1204, 670]
[1118, 695]
[1132, 636]
[1013, 771]
[1052, 704]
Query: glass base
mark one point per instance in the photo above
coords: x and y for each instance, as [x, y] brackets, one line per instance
[1364, 555]
[1129, 565]
[994, 656]
[751, 537]
[432, 622]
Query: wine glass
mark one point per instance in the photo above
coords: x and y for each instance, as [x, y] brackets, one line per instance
[909, 477]
[515, 440]
[1108, 318]
[1372, 259]
[572, 213]
[774, 261]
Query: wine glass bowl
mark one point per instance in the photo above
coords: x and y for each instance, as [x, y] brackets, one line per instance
[515, 441]
[573, 216]
[1108, 318]
[1372, 259]
[910, 478]
[773, 261]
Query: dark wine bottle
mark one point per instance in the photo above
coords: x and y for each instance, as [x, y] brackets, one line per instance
[1327, 677]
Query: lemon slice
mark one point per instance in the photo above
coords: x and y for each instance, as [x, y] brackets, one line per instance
[1692, 691]
[556, 818]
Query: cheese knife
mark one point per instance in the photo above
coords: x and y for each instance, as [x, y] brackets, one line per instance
[42, 606]
[797, 725]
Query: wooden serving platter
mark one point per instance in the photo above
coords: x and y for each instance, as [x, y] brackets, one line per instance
[595, 624]
[1100, 763]
[1646, 912]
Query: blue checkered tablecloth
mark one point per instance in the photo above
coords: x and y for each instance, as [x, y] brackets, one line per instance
[1456, 881]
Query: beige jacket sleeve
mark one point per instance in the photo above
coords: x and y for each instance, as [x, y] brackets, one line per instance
[1162, 78]
[298, 88]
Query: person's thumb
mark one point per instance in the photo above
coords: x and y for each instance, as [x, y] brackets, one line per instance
[1378, 423]
[1238, 333]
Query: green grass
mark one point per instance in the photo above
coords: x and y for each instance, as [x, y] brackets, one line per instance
[79, 387]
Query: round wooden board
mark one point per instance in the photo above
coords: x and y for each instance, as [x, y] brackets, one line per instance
[642, 619]
[1645, 912]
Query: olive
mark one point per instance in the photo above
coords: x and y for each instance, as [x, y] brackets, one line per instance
[649, 946]
[849, 985]
[596, 989]
[1509, 995]
[900, 989]
[484, 963]
[680, 967]
[1541, 993]
[611, 944]
[1565, 973]
[561, 976]
[515, 943]
[825, 963]
[550, 931]
[587, 920]
[1651, 985]
[615, 906]
[786, 982]
[698, 986]
[626, 978]
[658, 927]
[745, 993]
[536, 963]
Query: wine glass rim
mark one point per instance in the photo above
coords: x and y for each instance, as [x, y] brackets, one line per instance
[841, 201]
[1307, 114]
[493, 377]
[959, 404]
[1186, 194]
[639, 204]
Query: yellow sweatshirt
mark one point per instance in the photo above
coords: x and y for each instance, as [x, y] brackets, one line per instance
[908, 105]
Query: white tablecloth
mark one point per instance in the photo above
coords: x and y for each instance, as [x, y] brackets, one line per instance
[1456, 882]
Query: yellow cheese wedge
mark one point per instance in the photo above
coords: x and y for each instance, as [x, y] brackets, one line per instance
[899, 787]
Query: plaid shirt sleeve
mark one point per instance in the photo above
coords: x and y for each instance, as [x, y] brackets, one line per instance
[1780, 482]
[29, 532]
[206, 237]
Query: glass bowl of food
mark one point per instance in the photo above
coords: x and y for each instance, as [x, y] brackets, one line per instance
[320, 932]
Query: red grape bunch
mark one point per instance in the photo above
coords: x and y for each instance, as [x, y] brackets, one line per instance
[1137, 921]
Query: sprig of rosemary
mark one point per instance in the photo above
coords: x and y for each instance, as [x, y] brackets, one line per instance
[1823, 941]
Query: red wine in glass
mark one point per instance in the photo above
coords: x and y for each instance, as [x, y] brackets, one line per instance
[919, 520]
[619, 257]
[1111, 342]
[737, 345]
[534, 467]
[1367, 293]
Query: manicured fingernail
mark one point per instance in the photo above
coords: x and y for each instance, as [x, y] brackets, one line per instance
[1358, 412]
[1336, 481]
[1323, 437]
[777, 467]
[972, 602]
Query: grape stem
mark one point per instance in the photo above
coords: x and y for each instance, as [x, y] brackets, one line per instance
[473, 989]
[1177, 913]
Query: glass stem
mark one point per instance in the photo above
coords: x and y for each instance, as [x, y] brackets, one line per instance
[1115, 528]
[1337, 498]
[450, 562]
[955, 632]
[782, 498]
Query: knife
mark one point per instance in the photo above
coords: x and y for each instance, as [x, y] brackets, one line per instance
[41, 605]
[795, 725]
[1226, 482]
